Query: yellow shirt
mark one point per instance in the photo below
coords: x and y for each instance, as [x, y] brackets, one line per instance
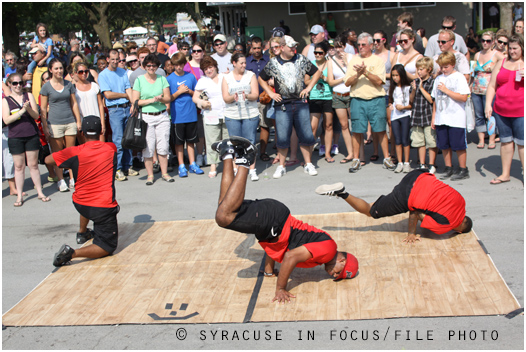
[37, 81]
[364, 89]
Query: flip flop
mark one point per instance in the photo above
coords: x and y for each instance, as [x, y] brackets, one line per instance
[345, 161]
[498, 181]
[18, 204]
[292, 162]
[481, 146]
[264, 157]
[212, 174]
[362, 163]
[44, 199]
[329, 160]
[374, 157]
[368, 141]
[492, 146]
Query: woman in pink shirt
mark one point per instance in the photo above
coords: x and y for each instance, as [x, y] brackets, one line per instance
[507, 86]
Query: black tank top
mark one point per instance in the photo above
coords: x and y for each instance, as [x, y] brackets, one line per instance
[23, 127]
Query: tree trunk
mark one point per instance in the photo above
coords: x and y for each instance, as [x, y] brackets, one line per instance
[10, 31]
[506, 15]
[313, 13]
[99, 19]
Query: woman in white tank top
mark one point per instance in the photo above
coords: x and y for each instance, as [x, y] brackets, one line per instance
[409, 55]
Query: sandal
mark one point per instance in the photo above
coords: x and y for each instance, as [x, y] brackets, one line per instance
[212, 174]
[264, 157]
[498, 181]
[18, 204]
[345, 161]
[44, 199]
[481, 146]
[362, 163]
[374, 157]
[149, 181]
[329, 160]
[492, 146]
[167, 178]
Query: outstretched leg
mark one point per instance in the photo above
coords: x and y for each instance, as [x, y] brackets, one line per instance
[338, 190]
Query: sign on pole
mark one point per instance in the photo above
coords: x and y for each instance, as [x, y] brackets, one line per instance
[185, 23]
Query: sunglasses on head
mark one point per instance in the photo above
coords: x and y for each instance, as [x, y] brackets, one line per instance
[446, 27]
[403, 41]
[486, 40]
[83, 72]
[16, 83]
[442, 41]
[319, 53]
[501, 42]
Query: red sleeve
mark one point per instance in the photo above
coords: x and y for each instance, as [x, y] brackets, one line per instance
[322, 252]
[65, 154]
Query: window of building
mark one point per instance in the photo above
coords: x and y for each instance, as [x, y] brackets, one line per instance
[298, 8]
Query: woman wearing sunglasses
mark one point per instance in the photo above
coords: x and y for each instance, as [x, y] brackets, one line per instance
[19, 112]
[408, 56]
[501, 45]
[88, 97]
[485, 61]
[76, 56]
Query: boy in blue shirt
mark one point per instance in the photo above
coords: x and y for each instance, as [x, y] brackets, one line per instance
[184, 113]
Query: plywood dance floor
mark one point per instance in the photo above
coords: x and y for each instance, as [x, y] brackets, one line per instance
[196, 272]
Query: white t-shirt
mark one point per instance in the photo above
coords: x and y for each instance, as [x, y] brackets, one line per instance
[338, 73]
[241, 109]
[223, 62]
[433, 49]
[461, 65]
[400, 96]
[87, 101]
[450, 112]
[215, 97]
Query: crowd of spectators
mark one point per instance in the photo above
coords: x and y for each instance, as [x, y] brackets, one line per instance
[403, 89]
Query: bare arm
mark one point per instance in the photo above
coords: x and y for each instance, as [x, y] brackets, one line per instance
[412, 237]
[76, 112]
[112, 95]
[201, 103]
[101, 112]
[264, 84]
[254, 89]
[492, 87]
[290, 260]
[227, 97]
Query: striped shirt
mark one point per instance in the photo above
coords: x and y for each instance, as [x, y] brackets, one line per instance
[422, 111]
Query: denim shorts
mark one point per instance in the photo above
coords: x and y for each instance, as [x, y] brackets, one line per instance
[296, 114]
[511, 129]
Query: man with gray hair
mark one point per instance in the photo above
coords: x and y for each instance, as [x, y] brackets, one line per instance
[366, 75]
[10, 63]
[74, 47]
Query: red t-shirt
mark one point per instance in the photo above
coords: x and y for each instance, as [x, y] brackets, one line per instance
[296, 233]
[93, 164]
[444, 208]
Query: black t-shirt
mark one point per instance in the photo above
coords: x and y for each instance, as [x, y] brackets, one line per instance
[289, 76]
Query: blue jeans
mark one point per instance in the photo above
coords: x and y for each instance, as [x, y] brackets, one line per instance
[118, 120]
[511, 128]
[297, 114]
[246, 128]
[479, 104]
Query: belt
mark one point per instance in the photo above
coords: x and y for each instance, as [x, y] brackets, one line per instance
[155, 113]
[119, 106]
[342, 95]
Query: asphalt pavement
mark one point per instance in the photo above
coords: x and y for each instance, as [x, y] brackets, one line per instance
[35, 231]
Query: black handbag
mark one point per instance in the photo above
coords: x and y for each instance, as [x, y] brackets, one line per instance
[135, 132]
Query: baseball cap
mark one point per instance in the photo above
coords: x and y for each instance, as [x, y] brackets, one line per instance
[91, 125]
[37, 48]
[277, 32]
[289, 41]
[131, 57]
[316, 29]
[350, 269]
[118, 45]
[220, 37]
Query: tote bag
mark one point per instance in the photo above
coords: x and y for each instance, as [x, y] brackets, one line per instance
[135, 132]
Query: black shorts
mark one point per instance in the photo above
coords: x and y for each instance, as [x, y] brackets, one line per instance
[320, 106]
[185, 132]
[20, 145]
[104, 225]
[396, 202]
[262, 217]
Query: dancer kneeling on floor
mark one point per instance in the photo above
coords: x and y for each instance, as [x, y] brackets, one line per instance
[94, 165]
[439, 207]
[285, 239]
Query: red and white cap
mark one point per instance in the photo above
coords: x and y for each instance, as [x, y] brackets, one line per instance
[350, 269]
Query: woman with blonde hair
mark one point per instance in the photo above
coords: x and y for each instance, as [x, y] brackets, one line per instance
[409, 55]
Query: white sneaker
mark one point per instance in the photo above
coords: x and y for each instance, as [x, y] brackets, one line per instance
[71, 183]
[334, 150]
[310, 169]
[399, 168]
[280, 171]
[407, 168]
[432, 169]
[62, 186]
[253, 175]
[199, 160]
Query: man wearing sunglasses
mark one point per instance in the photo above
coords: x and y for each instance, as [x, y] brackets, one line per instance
[317, 35]
[222, 56]
[446, 39]
[432, 49]
[37, 54]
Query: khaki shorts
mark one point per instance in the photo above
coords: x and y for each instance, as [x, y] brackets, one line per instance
[264, 121]
[59, 131]
[423, 136]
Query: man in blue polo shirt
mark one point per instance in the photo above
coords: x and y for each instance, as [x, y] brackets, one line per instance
[115, 86]
[255, 63]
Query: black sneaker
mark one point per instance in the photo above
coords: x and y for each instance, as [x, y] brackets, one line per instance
[331, 190]
[246, 159]
[84, 237]
[63, 256]
[223, 148]
[242, 146]
[462, 175]
[448, 172]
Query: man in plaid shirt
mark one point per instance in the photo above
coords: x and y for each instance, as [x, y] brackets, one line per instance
[422, 135]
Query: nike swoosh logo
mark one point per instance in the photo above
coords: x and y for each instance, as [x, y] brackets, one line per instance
[179, 83]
